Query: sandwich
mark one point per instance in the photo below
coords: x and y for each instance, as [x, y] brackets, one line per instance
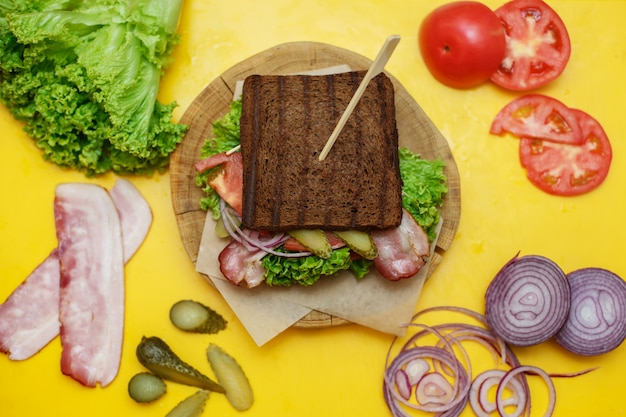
[291, 218]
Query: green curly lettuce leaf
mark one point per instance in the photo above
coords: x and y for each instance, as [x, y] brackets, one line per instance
[285, 271]
[423, 188]
[361, 267]
[84, 78]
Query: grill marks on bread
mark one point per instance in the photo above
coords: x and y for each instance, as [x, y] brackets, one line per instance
[286, 120]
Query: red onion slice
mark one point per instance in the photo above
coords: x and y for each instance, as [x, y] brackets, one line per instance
[528, 300]
[597, 318]
[252, 240]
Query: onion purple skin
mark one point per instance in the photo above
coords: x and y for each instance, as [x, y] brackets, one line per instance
[528, 300]
[596, 322]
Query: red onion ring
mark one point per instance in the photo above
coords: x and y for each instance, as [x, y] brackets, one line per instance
[403, 383]
[395, 400]
[500, 401]
[528, 300]
[597, 318]
[442, 356]
[480, 334]
[480, 402]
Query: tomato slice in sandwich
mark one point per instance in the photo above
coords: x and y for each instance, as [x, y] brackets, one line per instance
[539, 117]
[537, 45]
[568, 170]
[228, 182]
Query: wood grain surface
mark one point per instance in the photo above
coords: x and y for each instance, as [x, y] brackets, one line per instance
[415, 131]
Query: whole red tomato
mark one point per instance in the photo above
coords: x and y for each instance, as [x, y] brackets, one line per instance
[462, 43]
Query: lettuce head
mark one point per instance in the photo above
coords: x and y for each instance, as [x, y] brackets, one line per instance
[84, 77]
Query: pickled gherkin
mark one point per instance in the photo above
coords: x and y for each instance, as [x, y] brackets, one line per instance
[145, 387]
[156, 356]
[195, 317]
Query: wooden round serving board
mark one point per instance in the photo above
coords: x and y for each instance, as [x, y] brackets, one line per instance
[415, 131]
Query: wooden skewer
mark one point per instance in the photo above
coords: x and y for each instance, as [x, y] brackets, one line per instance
[376, 68]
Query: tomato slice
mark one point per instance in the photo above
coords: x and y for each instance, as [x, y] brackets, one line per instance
[539, 117]
[537, 45]
[569, 170]
[228, 182]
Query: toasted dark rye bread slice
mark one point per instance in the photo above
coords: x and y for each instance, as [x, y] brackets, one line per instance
[285, 122]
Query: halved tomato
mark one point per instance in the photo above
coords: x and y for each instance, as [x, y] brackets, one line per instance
[569, 170]
[540, 117]
[538, 45]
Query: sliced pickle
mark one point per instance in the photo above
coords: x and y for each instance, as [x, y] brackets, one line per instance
[314, 240]
[192, 316]
[192, 406]
[230, 375]
[359, 241]
[220, 228]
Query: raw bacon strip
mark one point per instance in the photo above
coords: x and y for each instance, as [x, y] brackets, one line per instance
[135, 215]
[91, 257]
[401, 251]
[29, 318]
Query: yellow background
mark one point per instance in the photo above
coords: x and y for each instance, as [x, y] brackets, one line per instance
[338, 372]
